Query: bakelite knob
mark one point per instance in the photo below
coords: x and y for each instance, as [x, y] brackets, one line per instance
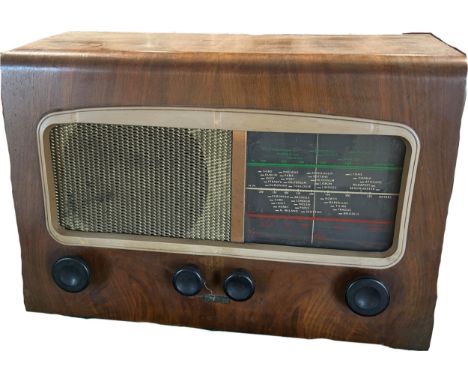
[71, 274]
[367, 296]
[239, 285]
[188, 280]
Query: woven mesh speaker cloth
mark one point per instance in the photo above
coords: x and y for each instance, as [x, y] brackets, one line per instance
[143, 180]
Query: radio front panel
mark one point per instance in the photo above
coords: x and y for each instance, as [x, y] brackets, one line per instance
[317, 189]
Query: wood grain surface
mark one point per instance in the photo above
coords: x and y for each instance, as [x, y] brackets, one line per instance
[238, 180]
[412, 79]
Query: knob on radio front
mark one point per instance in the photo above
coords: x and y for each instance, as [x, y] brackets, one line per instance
[239, 285]
[367, 296]
[71, 274]
[188, 280]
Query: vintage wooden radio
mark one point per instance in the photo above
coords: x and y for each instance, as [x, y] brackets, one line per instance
[288, 185]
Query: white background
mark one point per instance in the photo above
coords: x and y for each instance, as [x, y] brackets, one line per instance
[46, 347]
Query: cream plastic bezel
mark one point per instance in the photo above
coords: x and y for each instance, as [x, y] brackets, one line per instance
[235, 120]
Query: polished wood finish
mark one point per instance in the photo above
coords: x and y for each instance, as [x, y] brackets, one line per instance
[122, 44]
[412, 79]
[238, 169]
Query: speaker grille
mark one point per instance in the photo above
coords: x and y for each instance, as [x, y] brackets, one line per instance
[143, 180]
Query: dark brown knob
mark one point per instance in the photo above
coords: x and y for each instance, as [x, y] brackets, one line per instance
[239, 285]
[367, 296]
[188, 280]
[71, 274]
